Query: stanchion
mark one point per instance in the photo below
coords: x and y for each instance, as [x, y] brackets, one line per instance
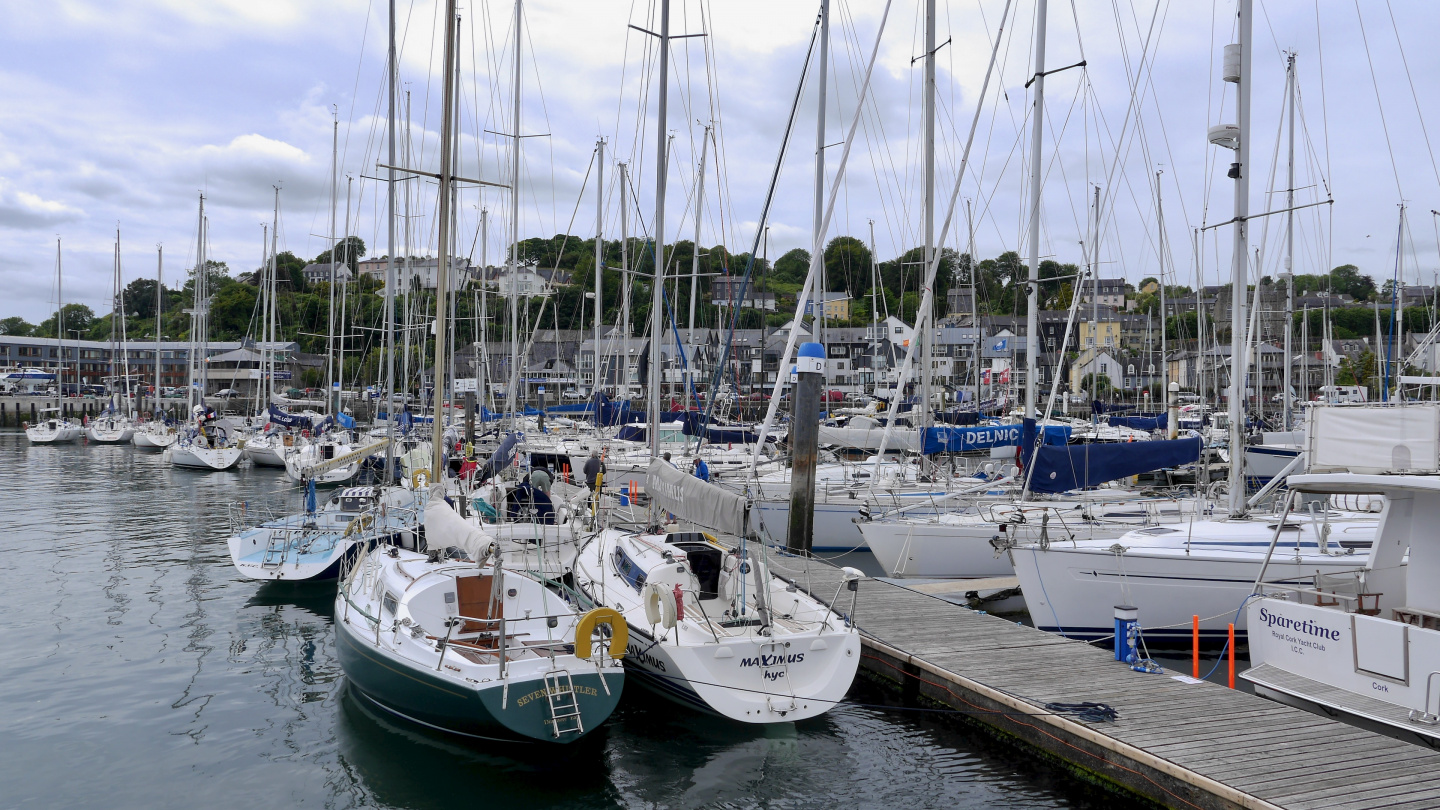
[1231, 648]
[1195, 645]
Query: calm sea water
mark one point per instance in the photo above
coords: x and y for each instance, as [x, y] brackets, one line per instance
[138, 670]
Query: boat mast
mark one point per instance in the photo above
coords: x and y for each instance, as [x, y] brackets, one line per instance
[974, 300]
[60, 333]
[274, 304]
[599, 266]
[818, 238]
[695, 254]
[344, 299]
[159, 308]
[393, 71]
[1239, 263]
[624, 390]
[1032, 290]
[511, 391]
[657, 289]
[1164, 343]
[485, 392]
[442, 268]
[330, 332]
[924, 337]
[114, 312]
[1289, 236]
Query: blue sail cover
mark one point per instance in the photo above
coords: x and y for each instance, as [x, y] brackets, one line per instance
[631, 433]
[1141, 421]
[504, 456]
[290, 420]
[345, 420]
[946, 439]
[574, 407]
[1060, 469]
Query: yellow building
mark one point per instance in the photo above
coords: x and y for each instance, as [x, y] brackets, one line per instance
[1104, 334]
[835, 305]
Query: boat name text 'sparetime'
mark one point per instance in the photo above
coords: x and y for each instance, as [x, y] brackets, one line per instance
[1307, 627]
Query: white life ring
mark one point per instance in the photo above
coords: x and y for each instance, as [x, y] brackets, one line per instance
[653, 599]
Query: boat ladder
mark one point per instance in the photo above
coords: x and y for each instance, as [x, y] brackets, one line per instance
[275, 549]
[777, 676]
[564, 707]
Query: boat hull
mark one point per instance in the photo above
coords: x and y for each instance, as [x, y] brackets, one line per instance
[938, 550]
[1074, 591]
[67, 434]
[152, 440]
[265, 455]
[191, 457]
[488, 711]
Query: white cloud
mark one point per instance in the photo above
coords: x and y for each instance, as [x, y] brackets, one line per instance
[28, 211]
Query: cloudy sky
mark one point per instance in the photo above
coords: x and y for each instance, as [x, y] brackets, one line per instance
[122, 114]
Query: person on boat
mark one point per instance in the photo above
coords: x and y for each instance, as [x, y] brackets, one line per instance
[666, 456]
[540, 479]
[702, 470]
[594, 471]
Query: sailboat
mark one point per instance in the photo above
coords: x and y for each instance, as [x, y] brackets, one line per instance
[55, 427]
[112, 427]
[156, 433]
[452, 640]
[206, 443]
[710, 626]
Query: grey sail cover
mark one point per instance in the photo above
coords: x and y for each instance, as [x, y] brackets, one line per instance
[693, 500]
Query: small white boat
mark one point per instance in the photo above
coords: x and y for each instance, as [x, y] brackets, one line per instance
[155, 435]
[302, 457]
[314, 544]
[191, 454]
[453, 641]
[710, 627]
[53, 429]
[110, 429]
[268, 449]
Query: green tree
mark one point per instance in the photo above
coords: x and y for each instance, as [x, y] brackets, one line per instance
[16, 325]
[793, 266]
[1348, 280]
[1096, 384]
[78, 318]
[847, 265]
[349, 250]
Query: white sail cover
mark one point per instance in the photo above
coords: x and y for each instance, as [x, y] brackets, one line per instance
[693, 500]
[865, 434]
[444, 527]
[1374, 439]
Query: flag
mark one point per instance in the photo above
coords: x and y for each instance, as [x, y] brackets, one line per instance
[1000, 345]
[985, 377]
[1005, 377]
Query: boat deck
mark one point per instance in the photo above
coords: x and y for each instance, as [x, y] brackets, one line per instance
[1180, 743]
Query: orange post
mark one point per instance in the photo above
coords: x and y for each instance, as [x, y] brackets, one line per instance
[1195, 646]
[1231, 648]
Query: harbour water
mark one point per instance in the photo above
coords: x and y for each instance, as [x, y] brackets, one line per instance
[139, 670]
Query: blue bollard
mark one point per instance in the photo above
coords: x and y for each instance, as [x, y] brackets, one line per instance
[1126, 617]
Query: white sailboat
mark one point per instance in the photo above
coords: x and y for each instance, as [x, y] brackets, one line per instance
[156, 433]
[55, 427]
[206, 444]
[112, 427]
[710, 626]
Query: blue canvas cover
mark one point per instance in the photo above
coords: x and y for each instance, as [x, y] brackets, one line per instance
[1141, 421]
[1078, 466]
[504, 456]
[946, 439]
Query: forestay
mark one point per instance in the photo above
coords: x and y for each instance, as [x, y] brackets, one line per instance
[693, 500]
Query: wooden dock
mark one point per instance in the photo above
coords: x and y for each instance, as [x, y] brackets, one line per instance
[1178, 744]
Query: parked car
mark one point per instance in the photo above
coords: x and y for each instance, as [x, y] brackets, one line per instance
[227, 393]
[572, 393]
